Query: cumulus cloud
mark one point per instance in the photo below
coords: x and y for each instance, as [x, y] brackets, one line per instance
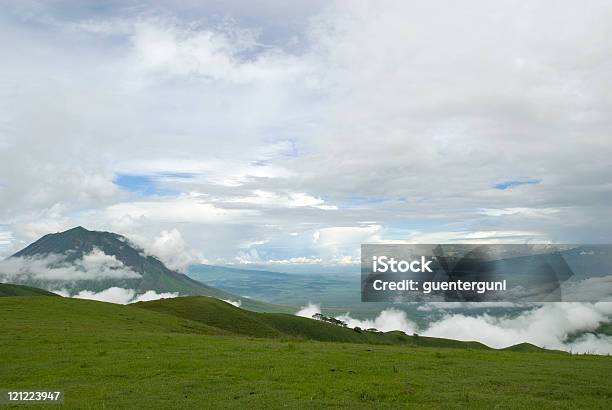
[170, 247]
[95, 265]
[118, 295]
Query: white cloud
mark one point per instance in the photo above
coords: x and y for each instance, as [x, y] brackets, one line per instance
[183, 209]
[213, 53]
[309, 310]
[170, 247]
[236, 303]
[288, 200]
[118, 295]
[387, 320]
[341, 236]
[5, 238]
[302, 260]
[548, 326]
[470, 237]
[592, 344]
[95, 265]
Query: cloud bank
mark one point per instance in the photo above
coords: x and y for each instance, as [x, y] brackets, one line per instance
[118, 295]
[560, 326]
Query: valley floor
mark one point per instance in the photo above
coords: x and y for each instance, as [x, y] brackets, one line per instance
[109, 356]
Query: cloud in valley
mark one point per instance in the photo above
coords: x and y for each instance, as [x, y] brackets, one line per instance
[309, 310]
[387, 320]
[118, 295]
[546, 326]
[549, 326]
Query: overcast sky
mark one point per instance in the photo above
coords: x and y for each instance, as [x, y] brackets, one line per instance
[285, 134]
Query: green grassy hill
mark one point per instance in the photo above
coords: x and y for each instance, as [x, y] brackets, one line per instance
[9, 289]
[127, 357]
[525, 347]
[219, 314]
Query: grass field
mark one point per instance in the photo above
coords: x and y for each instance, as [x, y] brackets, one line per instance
[115, 357]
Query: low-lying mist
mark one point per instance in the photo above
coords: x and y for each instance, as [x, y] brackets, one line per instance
[568, 326]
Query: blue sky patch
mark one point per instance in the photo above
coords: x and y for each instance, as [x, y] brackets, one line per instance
[516, 182]
[149, 185]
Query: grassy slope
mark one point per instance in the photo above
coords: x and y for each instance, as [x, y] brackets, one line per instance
[258, 306]
[9, 289]
[222, 315]
[110, 356]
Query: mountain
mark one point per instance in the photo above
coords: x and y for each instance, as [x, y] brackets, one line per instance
[79, 259]
[9, 289]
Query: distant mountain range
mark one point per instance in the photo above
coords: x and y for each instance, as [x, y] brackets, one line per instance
[79, 259]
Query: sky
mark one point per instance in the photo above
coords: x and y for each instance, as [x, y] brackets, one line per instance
[285, 135]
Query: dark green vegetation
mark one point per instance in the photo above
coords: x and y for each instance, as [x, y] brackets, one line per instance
[112, 356]
[605, 329]
[67, 247]
[8, 289]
